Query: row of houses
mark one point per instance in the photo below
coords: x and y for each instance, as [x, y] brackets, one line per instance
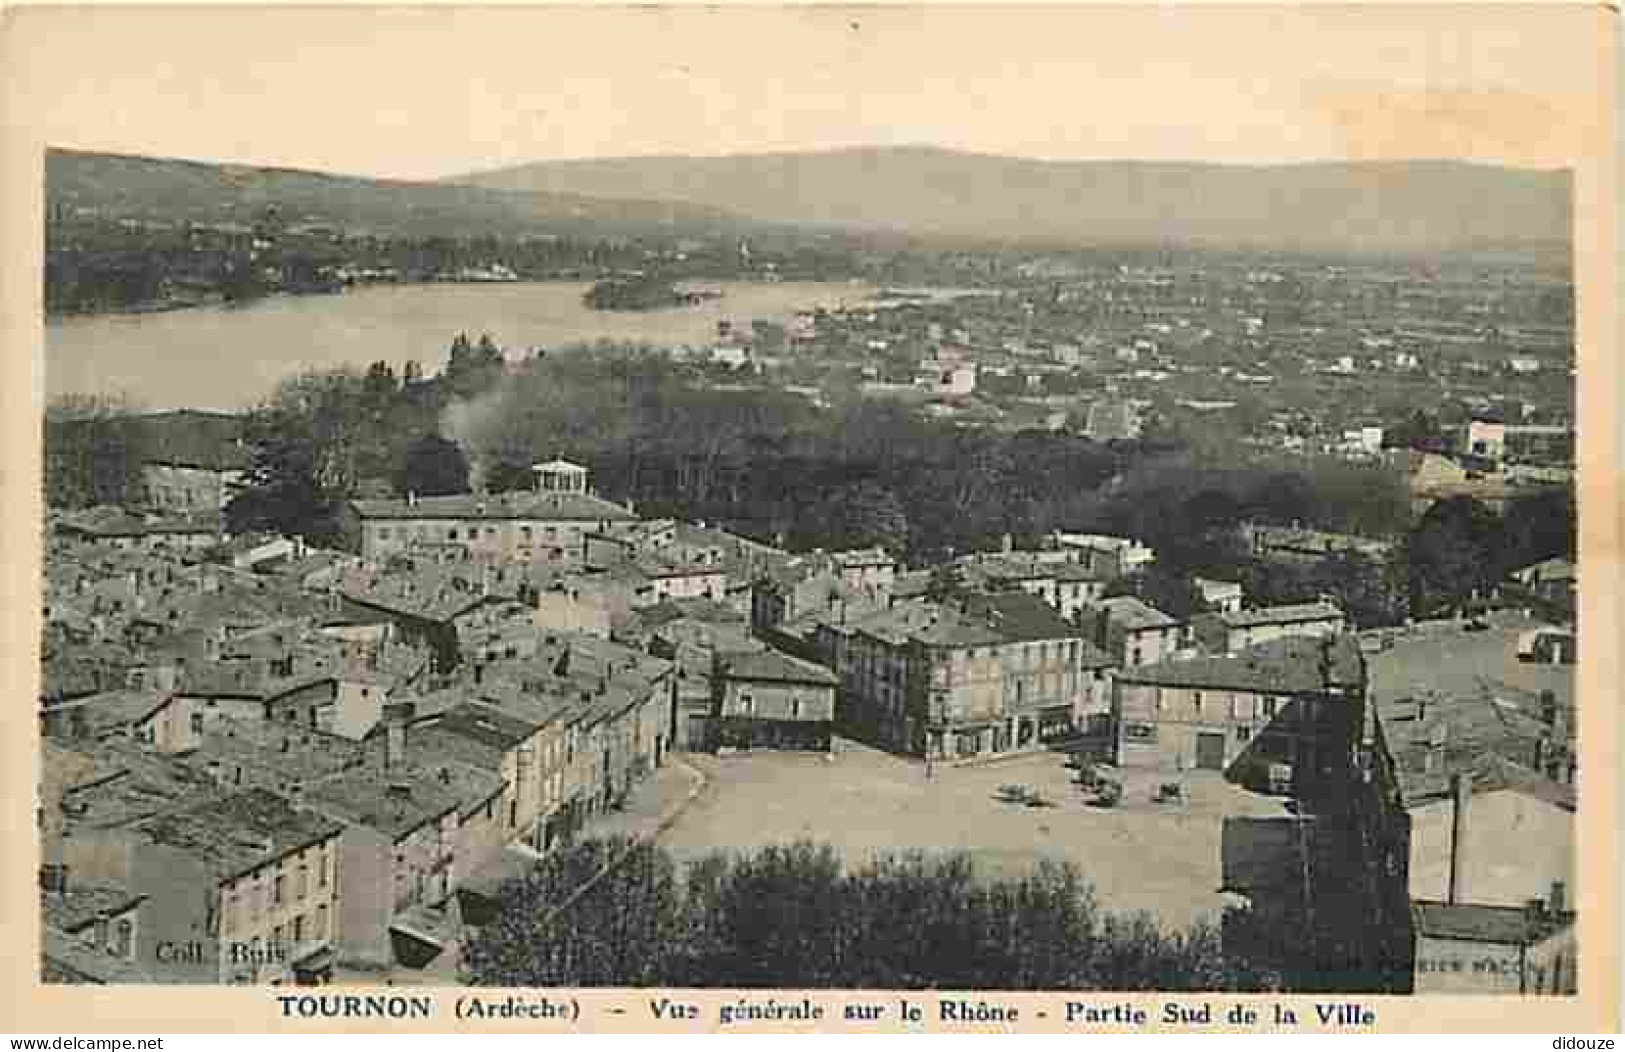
[261, 850]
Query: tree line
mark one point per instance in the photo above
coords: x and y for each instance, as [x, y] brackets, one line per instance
[623, 913]
[771, 464]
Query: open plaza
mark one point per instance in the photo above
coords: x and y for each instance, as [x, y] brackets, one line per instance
[1139, 855]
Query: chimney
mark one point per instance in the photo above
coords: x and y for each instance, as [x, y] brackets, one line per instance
[1540, 755]
[1461, 792]
[411, 498]
[397, 715]
[1558, 901]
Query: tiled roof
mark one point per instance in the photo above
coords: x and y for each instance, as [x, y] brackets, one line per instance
[1477, 733]
[116, 522]
[240, 832]
[1019, 616]
[1284, 666]
[1134, 614]
[527, 504]
[107, 711]
[396, 802]
[1282, 615]
[773, 665]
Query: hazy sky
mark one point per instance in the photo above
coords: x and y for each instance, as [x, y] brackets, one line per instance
[432, 91]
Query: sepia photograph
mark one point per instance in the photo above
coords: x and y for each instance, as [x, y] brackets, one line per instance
[787, 500]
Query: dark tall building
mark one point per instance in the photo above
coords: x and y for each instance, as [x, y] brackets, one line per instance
[1329, 885]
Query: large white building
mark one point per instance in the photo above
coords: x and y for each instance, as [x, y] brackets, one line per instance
[548, 524]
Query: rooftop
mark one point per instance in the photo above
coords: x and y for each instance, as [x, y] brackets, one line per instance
[1135, 614]
[397, 802]
[773, 665]
[1284, 666]
[1282, 615]
[523, 504]
[97, 714]
[240, 832]
[83, 902]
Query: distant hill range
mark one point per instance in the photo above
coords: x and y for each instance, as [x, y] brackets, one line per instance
[920, 192]
[1361, 207]
[151, 188]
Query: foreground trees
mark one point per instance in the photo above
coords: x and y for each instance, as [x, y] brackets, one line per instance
[622, 913]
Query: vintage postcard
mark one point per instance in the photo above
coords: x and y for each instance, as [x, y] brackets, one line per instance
[807, 518]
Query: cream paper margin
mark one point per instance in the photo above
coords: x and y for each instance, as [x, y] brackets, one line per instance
[26, 1006]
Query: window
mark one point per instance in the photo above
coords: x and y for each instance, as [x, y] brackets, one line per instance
[277, 934]
[747, 704]
[321, 868]
[299, 929]
[197, 723]
[383, 533]
[1243, 733]
[123, 939]
[1196, 701]
[301, 883]
[451, 533]
[513, 813]
[277, 890]
[1269, 708]
[321, 922]
[795, 708]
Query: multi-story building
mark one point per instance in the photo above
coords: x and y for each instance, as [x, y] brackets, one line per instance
[191, 461]
[866, 569]
[1238, 713]
[238, 888]
[1234, 631]
[548, 524]
[984, 673]
[1104, 553]
[403, 851]
[1066, 584]
[1221, 597]
[1132, 631]
[766, 699]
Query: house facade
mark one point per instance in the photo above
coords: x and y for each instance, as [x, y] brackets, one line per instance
[1276, 704]
[766, 699]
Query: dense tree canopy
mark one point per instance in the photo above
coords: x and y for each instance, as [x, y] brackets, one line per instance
[1455, 556]
[433, 467]
[620, 913]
